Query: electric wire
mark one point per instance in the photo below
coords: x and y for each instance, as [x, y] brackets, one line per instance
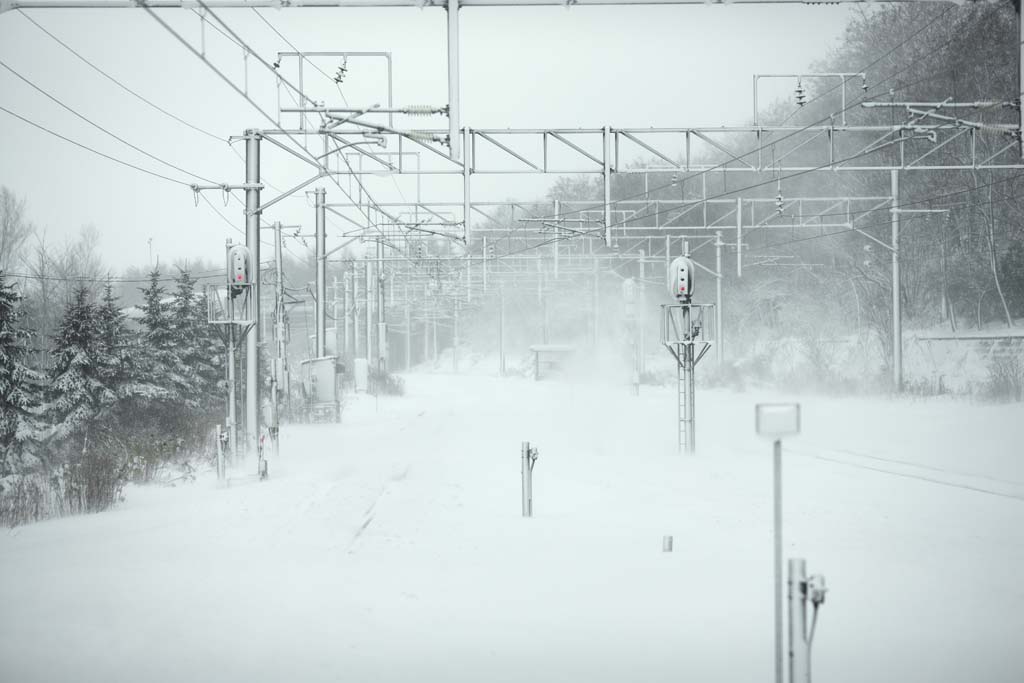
[101, 128]
[95, 151]
[301, 55]
[235, 38]
[119, 83]
[773, 143]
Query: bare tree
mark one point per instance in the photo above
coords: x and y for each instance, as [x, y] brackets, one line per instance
[14, 229]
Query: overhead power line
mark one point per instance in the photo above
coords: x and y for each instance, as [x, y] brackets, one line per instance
[94, 151]
[101, 128]
[119, 83]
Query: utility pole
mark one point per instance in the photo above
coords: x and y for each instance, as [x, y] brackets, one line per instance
[275, 375]
[382, 337]
[897, 312]
[356, 335]
[252, 241]
[596, 299]
[408, 328]
[368, 282]
[455, 336]
[501, 331]
[321, 273]
[345, 278]
[719, 351]
[739, 237]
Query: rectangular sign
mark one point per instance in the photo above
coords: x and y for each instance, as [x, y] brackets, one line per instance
[778, 419]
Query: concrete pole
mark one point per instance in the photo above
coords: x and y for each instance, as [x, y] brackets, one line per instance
[777, 560]
[719, 341]
[453, 78]
[252, 241]
[485, 258]
[321, 273]
[799, 653]
[897, 311]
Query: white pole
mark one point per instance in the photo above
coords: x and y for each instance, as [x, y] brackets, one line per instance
[897, 312]
[799, 653]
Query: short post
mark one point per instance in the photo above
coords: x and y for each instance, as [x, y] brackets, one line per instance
[220, 455]
[529, 456]
[775, 420]
[799, 654]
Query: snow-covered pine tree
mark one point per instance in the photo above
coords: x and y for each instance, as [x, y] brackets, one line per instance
[20, 390]
[25, 491]
[161, 363]
[90, 460]
[76, 394]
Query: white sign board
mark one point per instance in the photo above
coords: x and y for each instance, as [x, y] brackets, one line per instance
[776, 420]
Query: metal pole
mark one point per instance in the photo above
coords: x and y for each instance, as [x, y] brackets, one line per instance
[220, 456]
[466, 170]
[345, 278]
[799, 653]
[408, 331]
[527, 481]
[719, 342]
[368, 274]
[607, 177]
[356, 336]
[252, 241]
[275, 376]
[455, 337]
[501, 331]
[897, 312]
[434, 335]
[232, 398]
[486, 256]
[777, 505]
[739, 237]
[321, 273]
[382, 336]
[453, 77]
[596, 301]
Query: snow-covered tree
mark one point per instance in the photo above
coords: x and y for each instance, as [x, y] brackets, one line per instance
[77, 393]
[19, 389]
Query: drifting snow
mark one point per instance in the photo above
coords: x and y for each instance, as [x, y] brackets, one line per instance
[391, 548]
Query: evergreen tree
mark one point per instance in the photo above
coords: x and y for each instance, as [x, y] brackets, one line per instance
[19, 389]
[161, 364]
[77, 393]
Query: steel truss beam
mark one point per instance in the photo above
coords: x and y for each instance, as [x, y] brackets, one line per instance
[284, 4]
[785, 149]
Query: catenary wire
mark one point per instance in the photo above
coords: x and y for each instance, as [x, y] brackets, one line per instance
[101, 128]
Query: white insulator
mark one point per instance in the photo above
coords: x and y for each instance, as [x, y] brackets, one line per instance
[421, 135]
[420, 110]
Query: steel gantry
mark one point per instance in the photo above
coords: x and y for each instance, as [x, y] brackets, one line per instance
[786, 151]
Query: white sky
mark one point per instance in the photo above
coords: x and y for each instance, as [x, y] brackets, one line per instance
[521, 67]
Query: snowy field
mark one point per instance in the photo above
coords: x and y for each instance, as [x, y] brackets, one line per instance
[391, 548]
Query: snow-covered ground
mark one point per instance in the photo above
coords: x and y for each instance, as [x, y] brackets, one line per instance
[391, 548]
